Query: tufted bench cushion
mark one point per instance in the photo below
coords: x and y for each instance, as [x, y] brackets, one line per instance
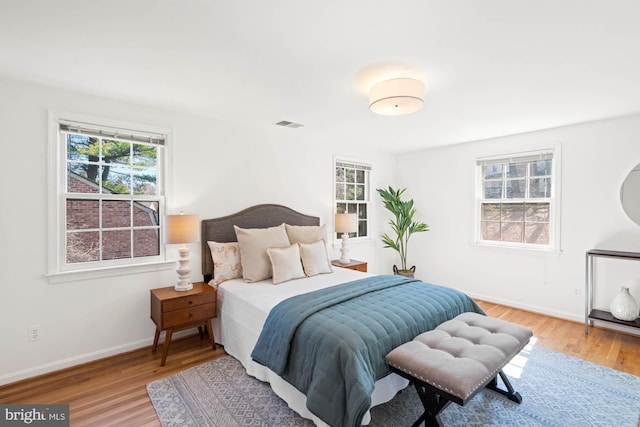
[457, 359]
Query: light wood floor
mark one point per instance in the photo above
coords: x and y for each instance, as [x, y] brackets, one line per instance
[112, 391]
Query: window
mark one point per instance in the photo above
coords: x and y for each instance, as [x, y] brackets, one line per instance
[352, 193]
[516, 200]
[109, 196]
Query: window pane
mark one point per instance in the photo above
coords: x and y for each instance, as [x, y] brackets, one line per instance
[117, 179]
[83, 148]
[362, 211]
[339, 174]
[490, 230]
[539, 188]
[146, 242]
[515, 189]
[493, 190]
[537, 212]
[542, 167]
[116, 244]
[116, 213]
[360, 176]
[82, 178]
[362, 228]
[144, 181]
[537, 233]
[82, 214]
[145, 155]
[492, 171]
[351, 192]
[352, 208]
[512, 212]
[350, 175]
[82, 247]
[516, 170]
[145, 214]
[341, 208]
[512, 231]
[340, 192]
[117, 152]
[359, 192]
[491, 211]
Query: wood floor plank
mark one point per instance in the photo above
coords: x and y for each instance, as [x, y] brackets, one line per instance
[112, 391]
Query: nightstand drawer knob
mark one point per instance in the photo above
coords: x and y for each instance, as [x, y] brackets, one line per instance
[190, 302]
[190, 314]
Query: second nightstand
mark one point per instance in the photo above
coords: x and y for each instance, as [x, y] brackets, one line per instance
[174, 311]
[353, 265]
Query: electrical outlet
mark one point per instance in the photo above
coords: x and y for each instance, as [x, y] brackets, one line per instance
[577, 292]
[34, 333]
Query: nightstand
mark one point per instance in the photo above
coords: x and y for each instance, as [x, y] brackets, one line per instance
[353, 265]
[173, 311]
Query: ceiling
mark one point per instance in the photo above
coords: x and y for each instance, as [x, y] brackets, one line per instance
[491, 67]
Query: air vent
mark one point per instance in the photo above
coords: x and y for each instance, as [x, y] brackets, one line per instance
[287, 124]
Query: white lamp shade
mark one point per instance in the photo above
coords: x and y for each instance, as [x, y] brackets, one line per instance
[396, 97]
[346, 223]
[182, 229]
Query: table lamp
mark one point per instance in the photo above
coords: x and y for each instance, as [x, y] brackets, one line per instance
[345, 224]
[182, 229]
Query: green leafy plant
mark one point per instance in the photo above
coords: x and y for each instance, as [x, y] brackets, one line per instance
[402, 223]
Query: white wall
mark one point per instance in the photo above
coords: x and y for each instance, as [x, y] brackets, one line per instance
[596, 158]
[217, 169]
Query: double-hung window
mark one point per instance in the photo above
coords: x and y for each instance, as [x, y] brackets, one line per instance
[352, 193]
[516, 200]
[110, 196]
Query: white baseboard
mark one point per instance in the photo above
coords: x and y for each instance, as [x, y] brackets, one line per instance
[83, 358]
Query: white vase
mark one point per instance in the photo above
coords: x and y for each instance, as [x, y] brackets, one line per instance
[623, 306]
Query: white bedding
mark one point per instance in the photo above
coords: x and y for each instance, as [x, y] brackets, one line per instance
[242, 310]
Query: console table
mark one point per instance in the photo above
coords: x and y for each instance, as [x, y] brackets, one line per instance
[589, 312]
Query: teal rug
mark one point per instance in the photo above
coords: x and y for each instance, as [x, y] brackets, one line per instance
[557, 391]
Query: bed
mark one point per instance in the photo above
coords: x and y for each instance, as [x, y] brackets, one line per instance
[244, 309]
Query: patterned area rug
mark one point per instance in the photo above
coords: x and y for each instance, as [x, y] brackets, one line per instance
[557, 391]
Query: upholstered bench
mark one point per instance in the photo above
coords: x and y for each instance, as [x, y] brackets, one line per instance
[457, 359]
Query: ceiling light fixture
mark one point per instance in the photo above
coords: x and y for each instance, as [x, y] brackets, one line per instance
[396, 97]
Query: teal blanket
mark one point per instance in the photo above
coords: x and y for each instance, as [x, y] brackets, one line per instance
[330, 344]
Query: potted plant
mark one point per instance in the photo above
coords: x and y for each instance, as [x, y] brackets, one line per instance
[402, 224]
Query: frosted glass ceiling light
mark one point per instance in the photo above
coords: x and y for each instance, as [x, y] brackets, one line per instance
[396, 97]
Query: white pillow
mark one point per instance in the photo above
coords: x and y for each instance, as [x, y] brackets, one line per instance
[306, 233]
[314, 258]
[226, 261]
[285, 263]
[253, 250]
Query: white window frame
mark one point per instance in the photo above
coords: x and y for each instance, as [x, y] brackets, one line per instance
[58, 269]
[337, 160]
[554, 245]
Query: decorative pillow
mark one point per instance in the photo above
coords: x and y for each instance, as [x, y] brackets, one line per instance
[306, 233]
[285, 263]
[253, 250]
[226, 261]
[314, 258]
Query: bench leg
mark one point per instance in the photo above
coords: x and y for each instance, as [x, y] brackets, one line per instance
[433, 404]
[510, 393]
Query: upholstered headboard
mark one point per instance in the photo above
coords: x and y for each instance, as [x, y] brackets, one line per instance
[259, 216]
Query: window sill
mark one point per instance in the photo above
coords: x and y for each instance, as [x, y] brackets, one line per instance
[518, 248]
[97, 273]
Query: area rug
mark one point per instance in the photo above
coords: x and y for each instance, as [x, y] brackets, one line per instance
[557, 391]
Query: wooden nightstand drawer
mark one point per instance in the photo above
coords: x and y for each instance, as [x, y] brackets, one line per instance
[188, 315]
[188, 301]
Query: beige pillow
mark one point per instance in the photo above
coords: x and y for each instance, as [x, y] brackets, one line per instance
[314, 258]
[253, 250]
[306, 233]
[285, 263]
[226, 261]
